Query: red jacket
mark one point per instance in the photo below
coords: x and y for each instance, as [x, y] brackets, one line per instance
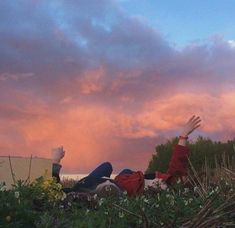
[134, 183]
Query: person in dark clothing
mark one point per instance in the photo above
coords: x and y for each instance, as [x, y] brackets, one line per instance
[99, 181]
[95, 182]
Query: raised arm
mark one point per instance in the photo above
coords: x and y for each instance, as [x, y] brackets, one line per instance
[57, 155]
[179, 160]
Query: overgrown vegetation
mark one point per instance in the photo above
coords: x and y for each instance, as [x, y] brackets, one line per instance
[203, 153]
[200, 201]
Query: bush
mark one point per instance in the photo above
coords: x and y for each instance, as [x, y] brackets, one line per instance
[203, 152]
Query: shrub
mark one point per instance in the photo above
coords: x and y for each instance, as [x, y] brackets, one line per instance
[203, 152]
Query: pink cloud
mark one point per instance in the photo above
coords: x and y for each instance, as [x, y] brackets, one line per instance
[105, 85]
[94, 133]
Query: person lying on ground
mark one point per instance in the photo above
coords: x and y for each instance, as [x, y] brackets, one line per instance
[133, 182]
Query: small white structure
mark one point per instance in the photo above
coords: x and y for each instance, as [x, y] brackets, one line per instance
[14, 168]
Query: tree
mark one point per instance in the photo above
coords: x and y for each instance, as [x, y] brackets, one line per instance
[202, 151]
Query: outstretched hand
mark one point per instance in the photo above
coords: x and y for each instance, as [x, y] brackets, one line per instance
[191, 125]
[57, 154]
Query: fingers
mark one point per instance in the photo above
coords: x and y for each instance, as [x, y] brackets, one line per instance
[196, 123]
[191, 118]
[195, 120]
[197, 126]
[193, 128]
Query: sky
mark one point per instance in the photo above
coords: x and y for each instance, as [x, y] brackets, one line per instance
[111, 79]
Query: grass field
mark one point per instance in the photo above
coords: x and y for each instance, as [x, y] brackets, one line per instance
[205, 200]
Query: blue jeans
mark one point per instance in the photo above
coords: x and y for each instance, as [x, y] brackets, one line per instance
[103, 170]
[90, 182]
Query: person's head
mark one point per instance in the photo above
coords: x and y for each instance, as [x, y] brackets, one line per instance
[108, 188]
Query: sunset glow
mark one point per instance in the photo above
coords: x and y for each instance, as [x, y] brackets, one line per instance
[106, 83]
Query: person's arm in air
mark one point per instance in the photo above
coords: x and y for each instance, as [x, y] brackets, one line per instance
[57, 155]
[179, 160]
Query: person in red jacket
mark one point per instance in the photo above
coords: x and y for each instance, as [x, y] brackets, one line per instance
[133, 182]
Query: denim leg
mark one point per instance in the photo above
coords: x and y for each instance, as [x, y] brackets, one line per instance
[87, 183]
[103, 170]
[93, 179]
[126, 171]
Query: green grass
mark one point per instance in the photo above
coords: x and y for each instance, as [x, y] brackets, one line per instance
[194, 203]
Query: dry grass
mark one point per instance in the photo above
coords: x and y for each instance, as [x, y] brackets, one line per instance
[223, 177]
[68, 182]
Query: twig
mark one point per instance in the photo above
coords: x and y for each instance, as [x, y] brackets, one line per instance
[144, 219]
[229, 172]
[127, 211]
[192, 181]
[205, 211]
[12, 173]
[212, 219]
[29, 173]
[197, 177]
[206, 174]
[110, 222]
[230, 202]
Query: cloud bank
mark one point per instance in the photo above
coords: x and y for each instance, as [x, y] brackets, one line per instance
[106, 85]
